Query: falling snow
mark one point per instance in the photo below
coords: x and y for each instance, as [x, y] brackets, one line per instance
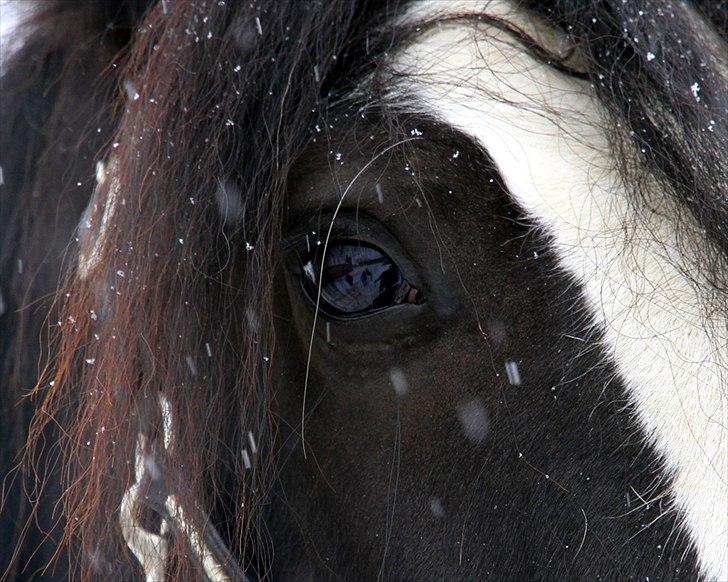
[246, 459]
[131, 90]
[436, 507]
[474, 420]
[252, 443]
[229, 202]
[514, 375]
[399, 382]
[191, 365]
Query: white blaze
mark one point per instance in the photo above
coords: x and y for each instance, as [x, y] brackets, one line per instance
[544, 132]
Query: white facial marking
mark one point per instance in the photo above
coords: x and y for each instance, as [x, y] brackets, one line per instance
[542, 129]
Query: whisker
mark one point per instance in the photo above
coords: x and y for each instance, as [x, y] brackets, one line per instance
[318, 292]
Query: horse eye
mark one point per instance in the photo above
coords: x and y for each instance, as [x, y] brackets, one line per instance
[356, 278]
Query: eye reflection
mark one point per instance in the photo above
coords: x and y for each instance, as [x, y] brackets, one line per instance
[357, 278]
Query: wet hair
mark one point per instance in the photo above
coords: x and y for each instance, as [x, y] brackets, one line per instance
[198, 111]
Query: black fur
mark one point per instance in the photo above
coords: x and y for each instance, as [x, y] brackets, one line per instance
[504, 517]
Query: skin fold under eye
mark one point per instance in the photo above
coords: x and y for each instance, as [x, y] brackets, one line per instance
[356, 278]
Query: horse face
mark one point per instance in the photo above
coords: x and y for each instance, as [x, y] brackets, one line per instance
[520, 413]
[492, 356]
[401, 400]
[460, 434]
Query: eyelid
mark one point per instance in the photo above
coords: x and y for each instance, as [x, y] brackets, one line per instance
[316, 227]
[353, 224]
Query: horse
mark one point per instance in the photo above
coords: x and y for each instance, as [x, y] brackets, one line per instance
[365, 289]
